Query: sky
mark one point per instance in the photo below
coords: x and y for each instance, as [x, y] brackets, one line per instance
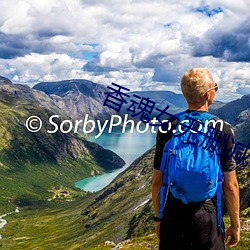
[141, 44]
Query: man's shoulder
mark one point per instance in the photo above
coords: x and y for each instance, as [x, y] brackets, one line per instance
[222, 125]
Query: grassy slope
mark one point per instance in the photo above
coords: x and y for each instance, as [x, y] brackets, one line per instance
[57, 226]
[48, 226]
[60, 225]
[27, 170]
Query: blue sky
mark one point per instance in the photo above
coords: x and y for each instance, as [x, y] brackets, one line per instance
[143, 44]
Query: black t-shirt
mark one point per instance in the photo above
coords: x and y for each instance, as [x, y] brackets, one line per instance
[227, 163]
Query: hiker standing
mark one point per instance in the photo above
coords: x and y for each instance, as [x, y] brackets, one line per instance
[193, 165]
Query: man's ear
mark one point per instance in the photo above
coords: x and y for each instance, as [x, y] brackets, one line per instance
[207, 95]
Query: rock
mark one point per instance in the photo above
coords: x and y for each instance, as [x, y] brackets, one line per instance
[109, 243]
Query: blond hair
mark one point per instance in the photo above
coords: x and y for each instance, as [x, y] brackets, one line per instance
[195, 83]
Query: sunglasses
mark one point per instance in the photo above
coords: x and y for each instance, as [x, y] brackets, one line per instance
[216, 87]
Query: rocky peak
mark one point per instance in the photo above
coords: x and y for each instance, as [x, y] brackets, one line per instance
[4, 80]
[78, 97]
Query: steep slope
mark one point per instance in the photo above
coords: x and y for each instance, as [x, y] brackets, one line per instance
[4, 80]
[232, 110]
[242, 128]
[237, 113]
[123, 210]
[32, 163]
[78, 98]
[127, 199]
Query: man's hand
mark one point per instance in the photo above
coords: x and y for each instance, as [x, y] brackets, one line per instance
[233, 234]
[157, 228]
[232, 200]
[156, 187]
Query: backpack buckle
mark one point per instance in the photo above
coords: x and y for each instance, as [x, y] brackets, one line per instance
[172, 152]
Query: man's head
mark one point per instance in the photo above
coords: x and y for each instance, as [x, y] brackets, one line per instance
[197, 86]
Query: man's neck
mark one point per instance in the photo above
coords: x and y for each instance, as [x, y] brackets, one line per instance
[198, 107]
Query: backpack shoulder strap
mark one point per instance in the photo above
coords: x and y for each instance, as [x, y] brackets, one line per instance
[205, 115]
[208, 116]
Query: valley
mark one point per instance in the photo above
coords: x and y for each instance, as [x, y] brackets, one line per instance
[38, 172]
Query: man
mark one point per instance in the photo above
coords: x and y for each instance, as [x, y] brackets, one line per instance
[194, 225]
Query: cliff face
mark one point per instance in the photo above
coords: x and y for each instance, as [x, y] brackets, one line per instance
[78, 98]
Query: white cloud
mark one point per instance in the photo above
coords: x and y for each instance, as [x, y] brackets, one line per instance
[35, 68]
[140, 44]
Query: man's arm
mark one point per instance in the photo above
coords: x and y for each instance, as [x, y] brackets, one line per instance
[156, 187]
[232, 200]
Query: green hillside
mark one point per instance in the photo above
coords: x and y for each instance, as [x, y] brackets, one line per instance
[31, 164]
[123, 210]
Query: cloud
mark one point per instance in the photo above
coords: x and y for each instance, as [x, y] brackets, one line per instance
[142, 44]
[230, 45]
[34, 68]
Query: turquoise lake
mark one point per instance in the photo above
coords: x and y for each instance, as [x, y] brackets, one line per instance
[129, 146]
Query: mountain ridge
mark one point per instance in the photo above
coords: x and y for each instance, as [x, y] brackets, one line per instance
[4, 80]
[78, 97]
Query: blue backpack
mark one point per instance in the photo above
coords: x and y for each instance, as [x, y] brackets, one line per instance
[191, 171]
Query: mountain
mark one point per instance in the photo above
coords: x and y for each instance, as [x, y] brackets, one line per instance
[78, 97]
[31, 167]
[232, 110]
[216, 105]
[4, 80]
[32, 163]
[176, 102]
[242, 128]
[237, 113]
[124, 208]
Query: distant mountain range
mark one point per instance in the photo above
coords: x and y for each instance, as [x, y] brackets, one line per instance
[80, 97]
[162, 99]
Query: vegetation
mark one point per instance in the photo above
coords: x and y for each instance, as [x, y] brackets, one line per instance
[36, 170]
[32, 163]
[57, 225]
[117, 213]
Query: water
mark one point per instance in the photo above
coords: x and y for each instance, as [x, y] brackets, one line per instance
[128, 146]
